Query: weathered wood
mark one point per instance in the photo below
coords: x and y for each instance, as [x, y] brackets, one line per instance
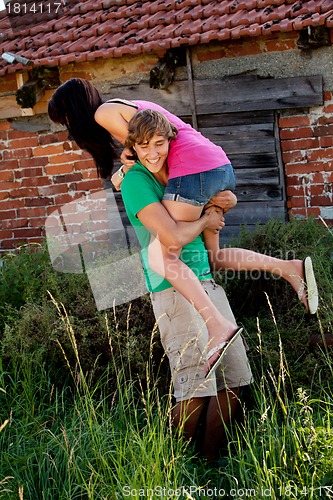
[241, 118]
[255, 212]
[257, 177]
[252, 160]
[230, 95]
[258, 193]
[247, 95]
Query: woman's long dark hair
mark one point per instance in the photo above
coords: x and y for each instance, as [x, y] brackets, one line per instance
[74, 104]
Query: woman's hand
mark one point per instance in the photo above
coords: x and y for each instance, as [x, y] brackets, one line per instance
[128, 161]
[224, 199]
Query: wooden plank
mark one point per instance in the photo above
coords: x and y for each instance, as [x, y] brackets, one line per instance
[229, 95]
[239, 94]
[175, 99]
[241, 118]
[240, 145]
[261, 176]
[253, 160]
[218, 132]
[258, 193]
[254, 212]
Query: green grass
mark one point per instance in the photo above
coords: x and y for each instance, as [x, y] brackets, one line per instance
[85, 400]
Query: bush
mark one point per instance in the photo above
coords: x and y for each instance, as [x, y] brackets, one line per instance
[255, 297]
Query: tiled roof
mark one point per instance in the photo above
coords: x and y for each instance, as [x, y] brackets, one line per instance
[87, 30]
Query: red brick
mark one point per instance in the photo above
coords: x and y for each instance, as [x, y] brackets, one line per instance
[13, 223]
[293, 157]
[305, 212]
[53, 138]
[37, 222]
[4, 195]
[38, 202]
[320, 154]
[72, 177]
[90, 185]
[298, 144]
[9, 164]
[303, 168]
[294, 121]
[8, 204]
[29, 172]
[35, 181]
[294, 190]
[24, 192]
[296, 133]
[34, 162]
[5, 235]
[321, 201]
[8, 214]
[26, 232]
[6, 175]
[17, 154]
[64, 158]
[59, 169]
[82, 165]
[23, 143]
[89, 174]
[296, 201]
[4, 125]
[8, 185]
[315, 189]
[48, 150]
[66, 198]
[20, 134]
[280, 45]
[53, 190]
[30, 213]
[326, 142]
[323, 130]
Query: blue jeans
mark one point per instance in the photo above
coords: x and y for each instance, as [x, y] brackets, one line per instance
[197, 189]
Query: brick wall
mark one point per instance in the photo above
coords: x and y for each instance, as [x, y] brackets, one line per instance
[307, 153]
[39, 171]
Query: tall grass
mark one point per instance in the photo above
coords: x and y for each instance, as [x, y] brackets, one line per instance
[82, 442]
[80, 434]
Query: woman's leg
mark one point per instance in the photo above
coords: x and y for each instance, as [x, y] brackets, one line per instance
[168, 265]
[240, 259]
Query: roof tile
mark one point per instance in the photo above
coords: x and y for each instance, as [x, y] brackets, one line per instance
[92, 29]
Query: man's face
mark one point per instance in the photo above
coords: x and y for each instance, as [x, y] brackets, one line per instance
[153, 154]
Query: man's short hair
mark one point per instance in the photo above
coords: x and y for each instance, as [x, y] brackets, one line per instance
[146, 123]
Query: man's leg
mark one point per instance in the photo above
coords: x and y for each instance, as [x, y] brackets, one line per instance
[186, 415]
[222, 409]
[184, 338]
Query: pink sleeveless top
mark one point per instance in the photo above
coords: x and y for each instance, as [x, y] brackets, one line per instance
[191, 152]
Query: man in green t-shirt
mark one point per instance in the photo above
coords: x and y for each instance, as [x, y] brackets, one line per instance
[183, 333]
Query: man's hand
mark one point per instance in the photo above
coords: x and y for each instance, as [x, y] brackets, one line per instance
[224, 199]
[216, 219]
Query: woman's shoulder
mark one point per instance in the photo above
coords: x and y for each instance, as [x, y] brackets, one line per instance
[121, 101]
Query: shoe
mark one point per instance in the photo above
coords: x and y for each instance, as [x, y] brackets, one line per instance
[311, 285]
[223, 347]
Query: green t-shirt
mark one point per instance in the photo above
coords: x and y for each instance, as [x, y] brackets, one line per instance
[140, 189]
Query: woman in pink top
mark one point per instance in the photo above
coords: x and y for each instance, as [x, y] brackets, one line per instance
[93, 124]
